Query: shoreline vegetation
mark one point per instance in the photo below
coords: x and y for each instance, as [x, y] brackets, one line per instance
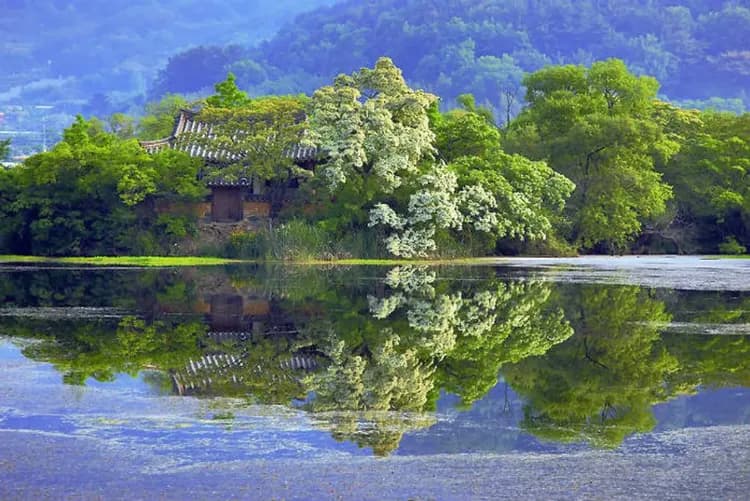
[595, 163]
[179, 261]
[185, 261]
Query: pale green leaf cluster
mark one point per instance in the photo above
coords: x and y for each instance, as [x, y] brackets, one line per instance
[527, 195]
[253, 136]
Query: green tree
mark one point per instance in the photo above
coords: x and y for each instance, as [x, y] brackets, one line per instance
[524, 199]
[711, 181]
[121, 125]
[528, 195]
[80, 198]
[228, 95]
[4, 149]
[378, 136]
[465, 132]
[9, 217]
[596, 127]
[158, 120]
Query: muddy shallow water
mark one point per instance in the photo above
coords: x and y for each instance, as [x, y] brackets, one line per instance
[525, 378]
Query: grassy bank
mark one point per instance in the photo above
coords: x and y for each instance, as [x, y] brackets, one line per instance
[142, 261]
[160, 261]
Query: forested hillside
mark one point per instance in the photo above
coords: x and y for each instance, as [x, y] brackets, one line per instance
[78, 57]
[698, 50]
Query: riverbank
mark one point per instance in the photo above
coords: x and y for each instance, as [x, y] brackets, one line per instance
[140, 261]
[174, 261]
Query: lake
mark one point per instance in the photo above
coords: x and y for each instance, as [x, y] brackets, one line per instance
[521, 378]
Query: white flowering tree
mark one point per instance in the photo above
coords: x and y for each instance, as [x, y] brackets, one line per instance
[505, 196]
[386, 167]
[374, 129]
[510, 195]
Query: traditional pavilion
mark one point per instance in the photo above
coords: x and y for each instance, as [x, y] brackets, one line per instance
[230, 200]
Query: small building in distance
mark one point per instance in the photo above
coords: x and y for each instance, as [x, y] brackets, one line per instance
[230, 200]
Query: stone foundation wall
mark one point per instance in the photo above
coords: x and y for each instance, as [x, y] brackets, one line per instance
[256, 307]
[198, 209]
[256, 209]
[202, 210]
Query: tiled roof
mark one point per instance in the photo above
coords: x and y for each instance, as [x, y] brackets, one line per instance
[156, 146]
[186, 123]
[219, 182]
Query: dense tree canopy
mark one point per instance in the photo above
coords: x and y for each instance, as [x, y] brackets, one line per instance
[711, 179]
[596, 126]
[379, 136]
[589, 164]
[525, 197]
[4, 149]
[80, 198]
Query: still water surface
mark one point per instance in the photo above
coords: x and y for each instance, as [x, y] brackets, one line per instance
[570, 379]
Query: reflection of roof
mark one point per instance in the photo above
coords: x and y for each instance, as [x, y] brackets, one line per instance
[222, 368]
[186, 123]
[229, 335]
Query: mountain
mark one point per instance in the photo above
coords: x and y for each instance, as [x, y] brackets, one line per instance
[72, 57]
[698, 50]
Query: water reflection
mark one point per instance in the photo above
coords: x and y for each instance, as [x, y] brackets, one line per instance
[369, 351]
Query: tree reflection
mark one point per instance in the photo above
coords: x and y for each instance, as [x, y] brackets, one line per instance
[101, 349]
[367, 351]
[600, 385]
[367, 357]
[416, 334]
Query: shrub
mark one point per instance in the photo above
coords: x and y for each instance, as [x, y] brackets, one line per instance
[300, 240]
[730, 245]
